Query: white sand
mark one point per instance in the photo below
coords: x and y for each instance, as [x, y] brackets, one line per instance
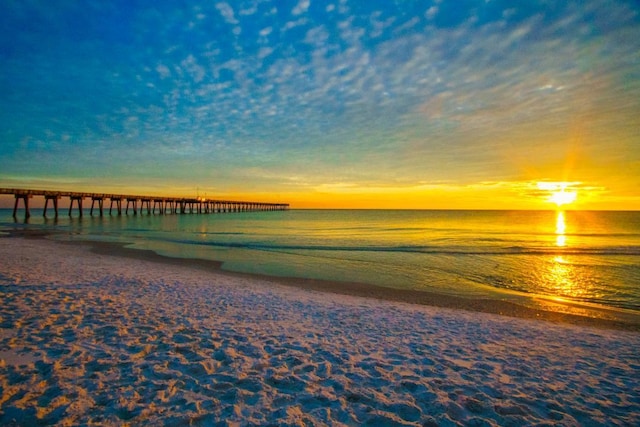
[105, 340]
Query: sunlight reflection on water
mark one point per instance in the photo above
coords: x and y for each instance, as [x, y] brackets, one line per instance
[581, 256]
[563, 277]
[561, 227]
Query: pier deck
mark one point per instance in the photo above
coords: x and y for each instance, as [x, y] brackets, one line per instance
[138, 204]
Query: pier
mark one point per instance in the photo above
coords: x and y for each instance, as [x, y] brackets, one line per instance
[137, 205]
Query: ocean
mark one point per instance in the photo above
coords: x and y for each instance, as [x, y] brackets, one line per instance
[581, 257]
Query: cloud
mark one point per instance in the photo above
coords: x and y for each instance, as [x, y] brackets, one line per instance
[227, 12]
[380, 94]
[431, 12]
[195, 70]
[266, 31]
[163, 71]
[301, 8]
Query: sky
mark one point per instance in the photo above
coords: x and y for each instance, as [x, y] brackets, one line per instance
[325, 104]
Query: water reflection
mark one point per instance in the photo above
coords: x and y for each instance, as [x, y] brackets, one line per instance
[562, 278]
[559, 274]
[561, 238]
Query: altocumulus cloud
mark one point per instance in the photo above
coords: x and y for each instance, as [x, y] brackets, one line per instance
[312, 91]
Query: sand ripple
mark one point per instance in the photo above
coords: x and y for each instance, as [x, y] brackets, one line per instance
[100, 340]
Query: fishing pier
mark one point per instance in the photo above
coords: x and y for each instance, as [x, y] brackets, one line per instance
[135, 204]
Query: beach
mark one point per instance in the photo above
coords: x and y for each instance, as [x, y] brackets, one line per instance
[92, 335]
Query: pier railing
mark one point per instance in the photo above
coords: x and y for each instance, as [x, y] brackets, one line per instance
[138, 204]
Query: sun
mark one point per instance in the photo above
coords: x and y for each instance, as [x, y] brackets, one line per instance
[558, 193]
[563, 197]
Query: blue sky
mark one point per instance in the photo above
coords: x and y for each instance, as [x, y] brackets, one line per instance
[313, 101]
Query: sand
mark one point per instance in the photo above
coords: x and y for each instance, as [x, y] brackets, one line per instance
[97, 339]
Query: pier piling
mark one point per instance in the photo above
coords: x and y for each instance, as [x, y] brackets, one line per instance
[78, 198]
[100, 200]
[118, 201]
[54, 198]
[134, 202]
[25, 200]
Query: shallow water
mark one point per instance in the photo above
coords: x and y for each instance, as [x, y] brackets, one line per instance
[585, 257]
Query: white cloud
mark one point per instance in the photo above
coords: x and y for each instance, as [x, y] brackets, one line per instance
[431, 12]
[266, 31]
[250, 10]
[163, 71]
[264, 52]
[292, 24]
[227, 12]
[317, 35]
[408, 25]
[195, 70]
[301, 7]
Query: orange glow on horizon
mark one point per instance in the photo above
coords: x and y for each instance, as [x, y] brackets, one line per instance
[492, 195]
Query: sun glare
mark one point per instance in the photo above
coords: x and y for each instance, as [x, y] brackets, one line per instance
[558, 192]
[563, 197]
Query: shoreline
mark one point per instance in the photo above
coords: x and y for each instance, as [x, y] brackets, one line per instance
[105, 335]
[604, 317]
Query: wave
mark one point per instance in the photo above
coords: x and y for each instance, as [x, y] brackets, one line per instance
[430, 250]
[628, 303]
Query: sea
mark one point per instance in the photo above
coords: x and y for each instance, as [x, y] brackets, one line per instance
[589, 258]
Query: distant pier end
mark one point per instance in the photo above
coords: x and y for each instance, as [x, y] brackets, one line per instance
[139, 204]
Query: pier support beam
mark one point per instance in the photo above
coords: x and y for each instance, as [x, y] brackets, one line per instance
[78, 200]
[118, 201]
[146, 201]
[54, 198]
[158, 203]
[135, 206]
[25, 200]
[100, 201]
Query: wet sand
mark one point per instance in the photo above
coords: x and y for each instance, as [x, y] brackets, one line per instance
[556, 312]
[530, 308]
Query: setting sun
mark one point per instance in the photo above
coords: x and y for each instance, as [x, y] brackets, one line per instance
[558, 192]
[563, 197]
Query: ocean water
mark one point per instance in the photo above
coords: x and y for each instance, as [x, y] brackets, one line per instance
[580, 257]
